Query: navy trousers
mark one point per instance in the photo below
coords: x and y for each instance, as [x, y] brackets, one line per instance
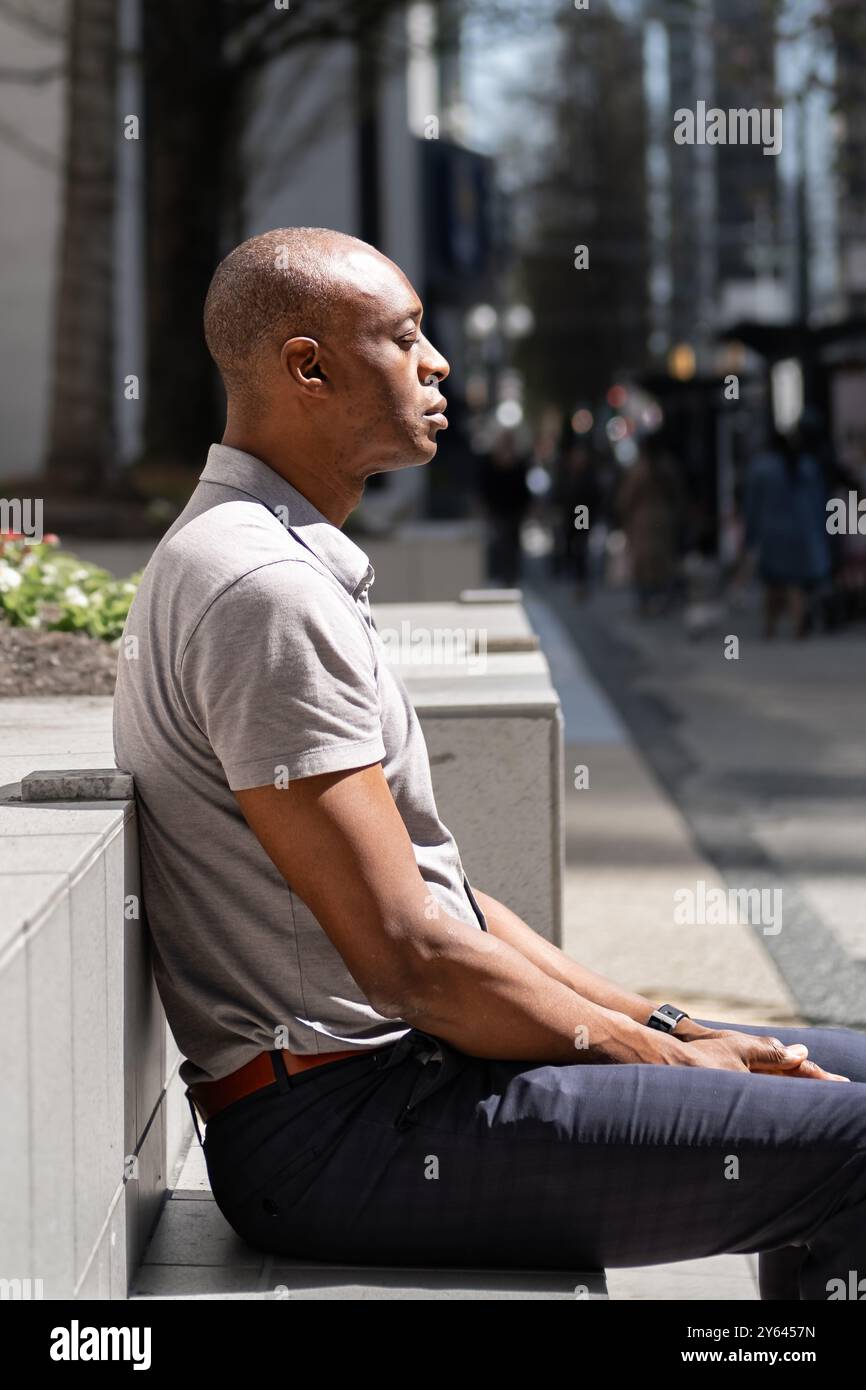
[417, 1154]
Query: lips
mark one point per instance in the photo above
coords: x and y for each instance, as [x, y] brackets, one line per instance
[436, 413]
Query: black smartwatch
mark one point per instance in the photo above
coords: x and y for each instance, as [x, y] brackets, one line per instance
[666, 1017]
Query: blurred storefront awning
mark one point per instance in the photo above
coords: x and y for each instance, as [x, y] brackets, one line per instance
[776, 341]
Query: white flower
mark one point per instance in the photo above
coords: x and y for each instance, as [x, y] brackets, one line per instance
[79, 574]
[77, 597]
[29, 561]
[49, 572]
[9, 578]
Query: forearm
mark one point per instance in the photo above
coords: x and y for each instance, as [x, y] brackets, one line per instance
[507, 926]
[488, 999]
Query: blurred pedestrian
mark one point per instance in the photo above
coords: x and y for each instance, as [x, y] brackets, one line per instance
[786, 524]
[506, 496]
[576, 501]
[649, 506]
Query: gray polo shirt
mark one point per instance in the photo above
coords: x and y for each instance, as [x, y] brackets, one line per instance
[250, 657]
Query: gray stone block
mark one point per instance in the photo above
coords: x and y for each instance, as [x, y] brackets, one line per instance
[25, 900]
[492, 627]
[195, 1253]
[494, 733]
[77, 784]
[98, 1133]
[197, 1233]
[342, 1282]
[49, 974]
[15, 1152]
[490, 596]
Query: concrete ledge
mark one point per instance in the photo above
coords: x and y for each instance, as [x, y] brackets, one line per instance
[94, 1118]
[494, 732]
[77, 784]
[195, 1254]
[421, 560]
[500, 624]
[491, 595]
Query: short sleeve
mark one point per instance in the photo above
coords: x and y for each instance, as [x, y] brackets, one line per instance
[280, 676]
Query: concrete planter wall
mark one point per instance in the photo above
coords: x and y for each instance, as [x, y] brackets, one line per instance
[424, 560]
[94, 1117]
[494, 732]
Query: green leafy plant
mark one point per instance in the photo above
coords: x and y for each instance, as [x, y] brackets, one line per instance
[42, 586]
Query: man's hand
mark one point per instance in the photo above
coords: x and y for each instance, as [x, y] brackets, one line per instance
[509, 927]
[794, 1064]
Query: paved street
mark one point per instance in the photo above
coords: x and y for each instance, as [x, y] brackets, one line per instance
[764, 758]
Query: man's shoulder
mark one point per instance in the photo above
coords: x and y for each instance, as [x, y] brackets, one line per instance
[222, 554]
[223, 541]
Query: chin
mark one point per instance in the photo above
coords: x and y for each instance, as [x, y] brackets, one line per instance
[416, 455]
[429, 448]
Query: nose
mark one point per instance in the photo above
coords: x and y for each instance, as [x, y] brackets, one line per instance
[432, 365]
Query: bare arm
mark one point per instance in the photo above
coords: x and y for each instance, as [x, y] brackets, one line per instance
[340, 841]
[338, 838]
[507, 926]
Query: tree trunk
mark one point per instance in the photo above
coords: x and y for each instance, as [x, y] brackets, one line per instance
[186, 99]
[81, 432]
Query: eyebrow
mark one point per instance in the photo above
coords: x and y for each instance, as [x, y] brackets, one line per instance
[415, 311]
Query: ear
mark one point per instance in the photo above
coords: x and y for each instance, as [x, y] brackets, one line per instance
[299, 358]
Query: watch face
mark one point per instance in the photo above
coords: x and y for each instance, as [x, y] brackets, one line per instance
[665, 1019]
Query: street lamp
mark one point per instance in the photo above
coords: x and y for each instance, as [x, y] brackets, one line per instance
[518, 321]
[681, 362]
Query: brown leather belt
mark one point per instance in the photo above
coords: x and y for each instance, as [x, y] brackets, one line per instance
[212, 1096]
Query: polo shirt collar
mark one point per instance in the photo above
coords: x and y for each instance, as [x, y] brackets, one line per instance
[245, 473]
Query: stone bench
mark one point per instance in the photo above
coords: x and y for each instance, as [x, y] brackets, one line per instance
[95, 1123]
[195, 1254]
[418, 560]
[491, 718]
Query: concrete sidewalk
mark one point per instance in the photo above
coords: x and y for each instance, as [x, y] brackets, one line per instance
[764, 756]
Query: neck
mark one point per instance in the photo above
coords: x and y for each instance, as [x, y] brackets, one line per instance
[304, 465]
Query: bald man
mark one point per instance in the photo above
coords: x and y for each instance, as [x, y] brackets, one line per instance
[393, 1067]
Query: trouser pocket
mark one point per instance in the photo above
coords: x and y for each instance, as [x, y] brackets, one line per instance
[435, 1062]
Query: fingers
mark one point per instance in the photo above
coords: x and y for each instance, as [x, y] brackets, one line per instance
[765, 1055]
[794, 1063]
[771, 1054]
[813, 1072]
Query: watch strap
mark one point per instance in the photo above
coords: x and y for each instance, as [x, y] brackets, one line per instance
[666, 1017]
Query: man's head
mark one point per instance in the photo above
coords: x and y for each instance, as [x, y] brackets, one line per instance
[316, 337]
